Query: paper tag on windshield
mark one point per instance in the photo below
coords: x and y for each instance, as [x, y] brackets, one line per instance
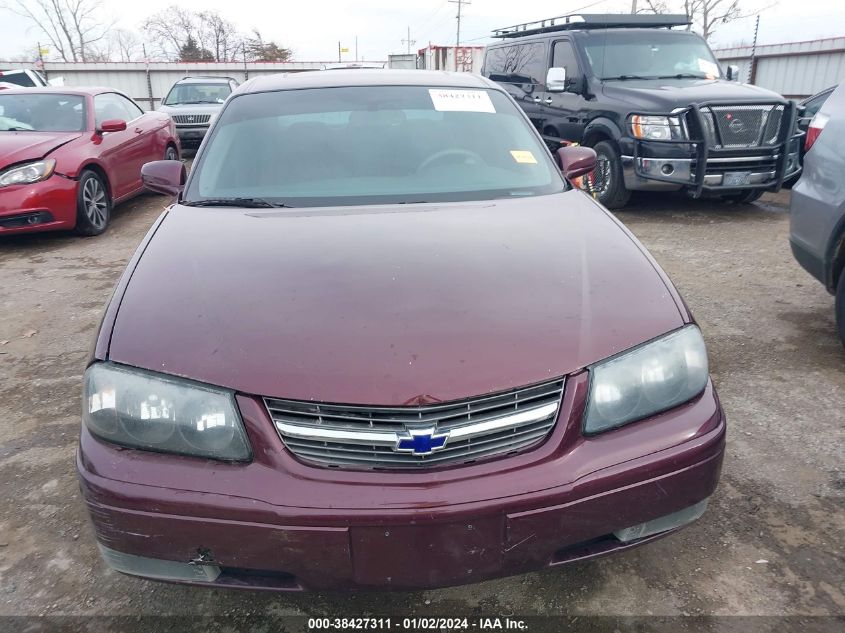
[708, 68]
[523, 156]
[461, 101]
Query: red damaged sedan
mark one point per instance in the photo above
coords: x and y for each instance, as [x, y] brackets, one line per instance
[67, 156]
[379, 341]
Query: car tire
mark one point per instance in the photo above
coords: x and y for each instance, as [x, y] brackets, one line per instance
[93, 204]
[607, 182]
[171, 153]
[840, 307]
[746, 196]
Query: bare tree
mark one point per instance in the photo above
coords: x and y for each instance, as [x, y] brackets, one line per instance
[170, 30]
[208, 31]
[122, 45]
[219, 36]
[72, 27]
[705, 15]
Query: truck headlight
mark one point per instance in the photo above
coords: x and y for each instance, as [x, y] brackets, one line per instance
[27, 173]
[648, 379]
[656, 128]
[154, 412]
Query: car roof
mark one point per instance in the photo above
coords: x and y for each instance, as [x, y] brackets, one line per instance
[365, 77]
[59, 90]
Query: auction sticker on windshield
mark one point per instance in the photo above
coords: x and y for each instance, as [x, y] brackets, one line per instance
[461, 101]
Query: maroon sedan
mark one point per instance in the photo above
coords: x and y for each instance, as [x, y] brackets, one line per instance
[380, 341]
[68, 155]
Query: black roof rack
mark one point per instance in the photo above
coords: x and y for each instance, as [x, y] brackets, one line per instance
[593, 21]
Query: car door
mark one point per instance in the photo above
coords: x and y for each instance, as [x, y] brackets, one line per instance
[565, 111]
[521, 70]
[123, 152]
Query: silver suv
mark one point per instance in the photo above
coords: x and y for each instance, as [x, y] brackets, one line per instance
[193, 102]
[817, 211]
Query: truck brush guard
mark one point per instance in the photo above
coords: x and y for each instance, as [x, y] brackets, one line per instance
[729, 146]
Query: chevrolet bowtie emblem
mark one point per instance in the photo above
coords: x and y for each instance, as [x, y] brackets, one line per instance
[421, 442]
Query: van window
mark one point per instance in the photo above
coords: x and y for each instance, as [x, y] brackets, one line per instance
[17, 78]
[564, 57]
[518, 64]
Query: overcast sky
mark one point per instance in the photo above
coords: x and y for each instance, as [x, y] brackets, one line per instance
[312, 29]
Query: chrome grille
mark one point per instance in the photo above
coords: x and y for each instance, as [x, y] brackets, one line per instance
[191, 119]
[346, 436]
[742, 126]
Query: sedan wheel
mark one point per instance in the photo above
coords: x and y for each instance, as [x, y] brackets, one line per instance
[93, 205]
[171, 153]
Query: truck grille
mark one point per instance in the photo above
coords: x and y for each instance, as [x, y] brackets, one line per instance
[191, 119]
[742, 126]
[346, 436]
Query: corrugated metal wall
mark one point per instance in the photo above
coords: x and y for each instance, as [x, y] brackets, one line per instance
[796, 69]
[132, 78]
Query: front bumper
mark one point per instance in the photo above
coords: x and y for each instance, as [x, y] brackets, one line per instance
[698, 166]
[191, 136]
[279, 524]
[42, 206]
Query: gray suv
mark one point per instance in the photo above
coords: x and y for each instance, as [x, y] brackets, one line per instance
[817, 212]
[193, 102]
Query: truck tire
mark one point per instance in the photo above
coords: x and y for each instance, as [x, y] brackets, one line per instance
[606, 182]
[840, 307]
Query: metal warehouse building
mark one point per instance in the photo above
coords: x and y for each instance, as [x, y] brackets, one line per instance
[796, 69]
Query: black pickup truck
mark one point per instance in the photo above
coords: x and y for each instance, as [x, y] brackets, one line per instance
[653, 102]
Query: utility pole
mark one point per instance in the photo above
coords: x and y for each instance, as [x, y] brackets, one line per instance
[752, 64]
[460, 4]
[633, 6]
[409, 41]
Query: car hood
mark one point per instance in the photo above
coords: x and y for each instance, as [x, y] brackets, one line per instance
[385, 305]
[664, 95]
[17, 147]
[191, 108]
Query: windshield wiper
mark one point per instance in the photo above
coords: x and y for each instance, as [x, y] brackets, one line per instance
[247, 203]
[682, 76]
[17, 129]
[626, 77]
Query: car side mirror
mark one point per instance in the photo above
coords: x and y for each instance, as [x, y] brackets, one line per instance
[165, 176]
[112, 125]
[556, 80]
[732, 73]
[576, 160]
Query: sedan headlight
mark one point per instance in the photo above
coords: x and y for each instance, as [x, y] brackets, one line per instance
[150, 411]
[656, 128]
[654, 377]
[27, 174]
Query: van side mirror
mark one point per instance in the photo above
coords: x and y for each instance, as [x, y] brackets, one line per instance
[165, 176]
[576, 160]
[556, 80]
[732, 73]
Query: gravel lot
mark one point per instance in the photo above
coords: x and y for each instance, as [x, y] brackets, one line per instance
[771, 543]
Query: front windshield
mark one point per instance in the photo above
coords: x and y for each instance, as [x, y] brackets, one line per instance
[41, 113]
[181, 94]
[372, 145]
[662, 54]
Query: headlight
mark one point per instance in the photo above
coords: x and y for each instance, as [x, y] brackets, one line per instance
[646, 380]
[28, 173]
[141, 409]
[656, 128]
